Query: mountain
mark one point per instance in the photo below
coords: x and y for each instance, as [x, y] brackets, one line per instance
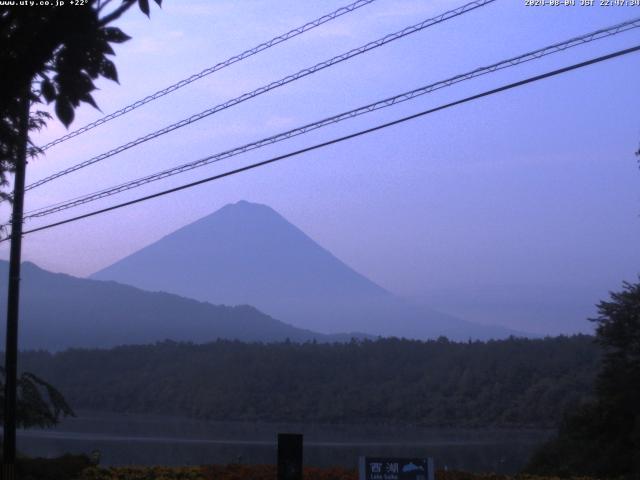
[60, 311]
[247, 253]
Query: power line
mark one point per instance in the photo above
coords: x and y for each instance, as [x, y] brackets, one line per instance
[208, 71]
[264, 89]
[536, 54]
[487, 93]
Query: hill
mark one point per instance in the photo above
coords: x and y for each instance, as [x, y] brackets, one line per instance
[59, 311]
[247, 253]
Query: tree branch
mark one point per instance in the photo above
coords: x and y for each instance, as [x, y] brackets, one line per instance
[102, 4]
[117, 13]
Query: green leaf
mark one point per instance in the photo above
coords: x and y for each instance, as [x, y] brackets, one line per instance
[48, 90]
[108, 70]
[64, 110]
[144, 6]
[105, 47]
[115, 35]
[89, 99]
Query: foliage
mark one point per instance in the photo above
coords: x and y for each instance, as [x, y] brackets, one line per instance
[143, 473]
[263, 472]
[210, 472]
[39, 404]
[442, 475]
[514, 382]
[603, 438]
[50, 55]
[53, 56]
[67, 467]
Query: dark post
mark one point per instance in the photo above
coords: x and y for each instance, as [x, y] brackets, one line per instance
[13, 301]
[289, 456]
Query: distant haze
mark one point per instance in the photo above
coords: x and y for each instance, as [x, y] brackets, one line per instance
[59, 312]
[247, 253]
[520, 209]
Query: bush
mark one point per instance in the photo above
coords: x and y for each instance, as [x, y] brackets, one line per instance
[67, 467]
[264, 472]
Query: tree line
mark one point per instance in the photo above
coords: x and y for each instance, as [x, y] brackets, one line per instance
[513, 382]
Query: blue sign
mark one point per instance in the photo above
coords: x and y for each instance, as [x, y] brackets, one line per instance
[379, 468]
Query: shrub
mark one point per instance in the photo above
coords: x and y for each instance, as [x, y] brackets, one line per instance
[67, 467]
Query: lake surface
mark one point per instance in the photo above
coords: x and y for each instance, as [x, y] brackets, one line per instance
[158, 440]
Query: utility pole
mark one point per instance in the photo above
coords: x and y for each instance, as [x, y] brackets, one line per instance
[13, 301]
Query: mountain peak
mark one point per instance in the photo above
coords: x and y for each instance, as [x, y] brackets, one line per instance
[242, 210]
[246, 205]
[247, 253]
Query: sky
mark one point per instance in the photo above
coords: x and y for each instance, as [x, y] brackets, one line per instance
[519, 209]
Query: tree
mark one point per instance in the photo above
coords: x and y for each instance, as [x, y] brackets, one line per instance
[39, 403]
[53, 55]
[618, 385]
[603, 438]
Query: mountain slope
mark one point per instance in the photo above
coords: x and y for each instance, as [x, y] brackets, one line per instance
[60, 311]
[249, 254]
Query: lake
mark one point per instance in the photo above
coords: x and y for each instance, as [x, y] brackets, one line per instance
[159, 440]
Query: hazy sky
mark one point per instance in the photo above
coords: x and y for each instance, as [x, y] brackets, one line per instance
[519, 209]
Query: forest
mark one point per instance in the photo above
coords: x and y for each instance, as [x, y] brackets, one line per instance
[505, 383]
